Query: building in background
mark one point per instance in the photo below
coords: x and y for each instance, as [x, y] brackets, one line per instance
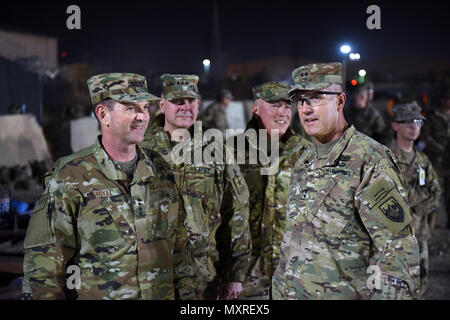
[26, 59]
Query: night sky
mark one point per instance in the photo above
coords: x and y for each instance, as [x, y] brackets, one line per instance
[169, 36]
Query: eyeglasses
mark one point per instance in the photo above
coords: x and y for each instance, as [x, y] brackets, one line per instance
[412, 123]
[314, 98]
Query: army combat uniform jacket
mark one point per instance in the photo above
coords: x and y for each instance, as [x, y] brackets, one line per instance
[368, 121]
[214, 117]
[436, 133]
[267, 203]
[202, 186]
[422, 186]
[424, 193]
[126, 238]
[437, 136]
[348, 234]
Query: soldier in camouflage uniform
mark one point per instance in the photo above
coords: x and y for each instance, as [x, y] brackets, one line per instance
[202, 186]
[271, 110]
[214, 115]
[110, 210]
[363, 115]
[349, 228]
[419, 176]
[437, 137]
[297, 127]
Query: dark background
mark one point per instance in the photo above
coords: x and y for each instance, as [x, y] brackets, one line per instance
[175, 36]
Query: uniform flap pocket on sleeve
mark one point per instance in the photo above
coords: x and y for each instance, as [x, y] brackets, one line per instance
[377, 191]
[385, 200]
[39, 230]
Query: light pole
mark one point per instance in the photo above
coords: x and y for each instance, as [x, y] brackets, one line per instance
[362, 75]
[206, 66]
[345, 49]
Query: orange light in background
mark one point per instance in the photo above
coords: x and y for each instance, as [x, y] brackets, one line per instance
[354, 82]
[389, 105]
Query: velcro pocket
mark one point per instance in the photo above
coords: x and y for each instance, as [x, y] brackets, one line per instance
[40, 229]
[387, 203]
[199, 181]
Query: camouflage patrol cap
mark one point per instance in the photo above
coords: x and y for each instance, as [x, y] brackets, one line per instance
[176, 86]
[407, 112]
[121, 87]
[272, 91]
[316, 76]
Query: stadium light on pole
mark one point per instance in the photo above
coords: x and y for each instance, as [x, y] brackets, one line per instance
[354, 56]
[206, 65]
[345, 48]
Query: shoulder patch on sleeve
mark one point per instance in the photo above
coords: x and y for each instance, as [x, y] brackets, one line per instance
[392, 209]
[385, 200]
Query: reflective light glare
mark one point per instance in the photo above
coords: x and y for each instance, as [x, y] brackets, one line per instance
[354, 56]
[206, 62]
[345, 48]
[362, 72]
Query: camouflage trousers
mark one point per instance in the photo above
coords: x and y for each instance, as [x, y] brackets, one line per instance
[424, 267]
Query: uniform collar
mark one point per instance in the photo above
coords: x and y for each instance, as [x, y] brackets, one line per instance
[399, 153]
[336, 151]
[158, 139]
[144, 167]
[155, 137]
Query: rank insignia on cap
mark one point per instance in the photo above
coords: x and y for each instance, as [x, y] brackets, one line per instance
[392, 209]
[136, 83]
[121, 87]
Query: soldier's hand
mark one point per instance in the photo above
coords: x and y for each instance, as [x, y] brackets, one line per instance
[230, 290]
